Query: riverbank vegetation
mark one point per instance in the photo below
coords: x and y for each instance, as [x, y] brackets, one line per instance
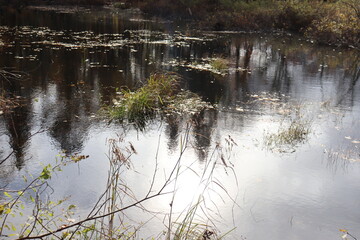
[335, 22]
[328, 22]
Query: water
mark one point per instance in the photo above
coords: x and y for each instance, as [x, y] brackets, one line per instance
[74, 60]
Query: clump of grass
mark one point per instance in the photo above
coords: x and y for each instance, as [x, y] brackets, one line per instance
[160, 95]
[219, 64]
[120, 5]
[143, 103]
[288, 136]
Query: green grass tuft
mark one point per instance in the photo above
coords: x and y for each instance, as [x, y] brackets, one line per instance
[139, 105]
[219, 64]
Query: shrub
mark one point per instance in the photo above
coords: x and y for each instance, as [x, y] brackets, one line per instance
[341, 25]
[298, 15]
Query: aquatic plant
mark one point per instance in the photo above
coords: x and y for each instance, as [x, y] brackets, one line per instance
[288, 135]
[143, 103]
[219, 64]
[161, 94]
[120, 5]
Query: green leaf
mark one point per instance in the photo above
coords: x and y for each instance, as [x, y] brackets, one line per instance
[13, 227]
[2, 208]
[7, 194]
[46, 172]
[71, 207]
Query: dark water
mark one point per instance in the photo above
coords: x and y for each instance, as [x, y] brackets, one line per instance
[74, 60]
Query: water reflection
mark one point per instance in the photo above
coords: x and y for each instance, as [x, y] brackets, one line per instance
[19, 133]
[77, 61]
[204, 126]
[90, 76]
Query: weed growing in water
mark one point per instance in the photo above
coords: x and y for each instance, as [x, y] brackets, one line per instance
[154, 95]
[219, 64]
[161, 94]
[288, 136]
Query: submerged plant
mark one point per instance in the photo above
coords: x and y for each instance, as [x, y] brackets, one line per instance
[288, 136]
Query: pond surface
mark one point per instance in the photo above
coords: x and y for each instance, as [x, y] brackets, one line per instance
[73, 62]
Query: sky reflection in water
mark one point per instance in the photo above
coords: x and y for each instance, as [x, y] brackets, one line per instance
[75, 63]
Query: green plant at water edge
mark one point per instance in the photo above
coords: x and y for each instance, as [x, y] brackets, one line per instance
[120, 5]
[219, 64]
[144, 102]
[160, 95]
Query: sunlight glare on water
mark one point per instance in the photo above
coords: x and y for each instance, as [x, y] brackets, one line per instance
[283, 134]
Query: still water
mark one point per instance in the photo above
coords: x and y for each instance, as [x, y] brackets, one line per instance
[74, 60]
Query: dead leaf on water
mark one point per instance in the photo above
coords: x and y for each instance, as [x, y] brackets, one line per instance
[356, 142]
[348, 137]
